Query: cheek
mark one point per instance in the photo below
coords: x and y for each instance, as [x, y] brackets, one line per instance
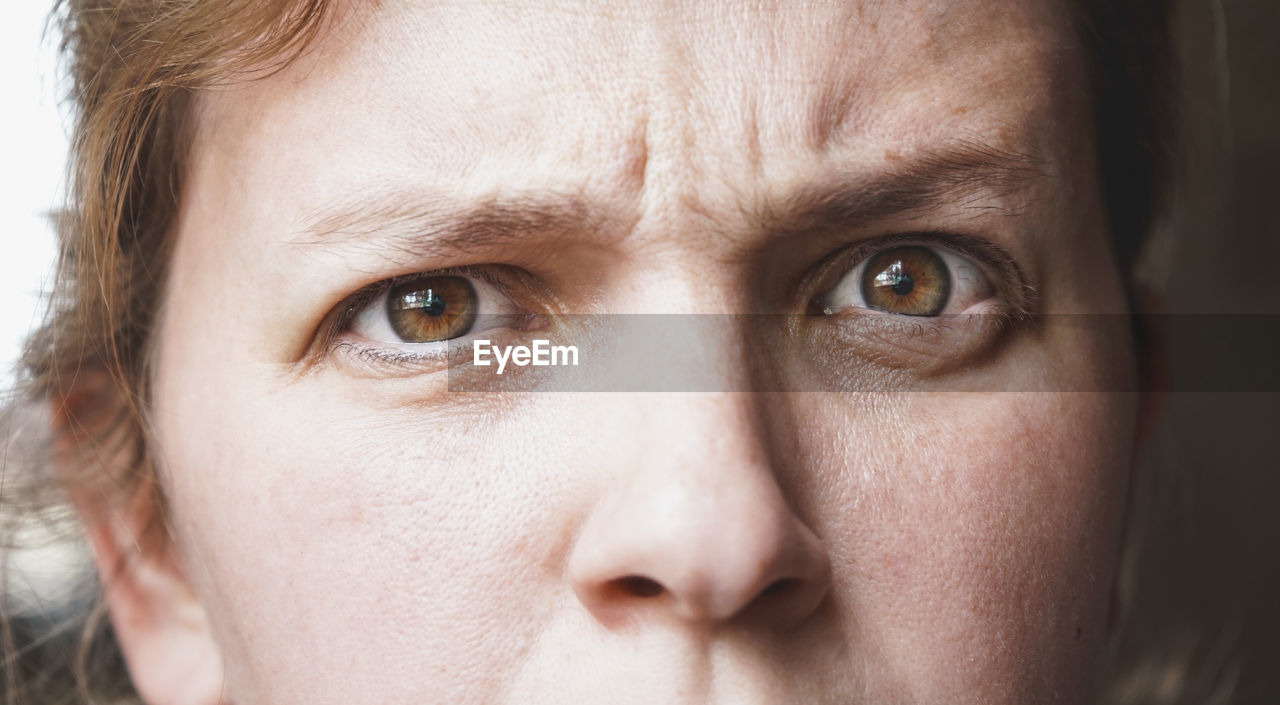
[976, 534]
[326, 538]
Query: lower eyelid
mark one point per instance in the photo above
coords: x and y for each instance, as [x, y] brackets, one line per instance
[382, 358]
[920, 347]
[377, 360]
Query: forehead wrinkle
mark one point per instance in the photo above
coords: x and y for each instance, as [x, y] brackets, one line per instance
[898, 53]
[647, 152]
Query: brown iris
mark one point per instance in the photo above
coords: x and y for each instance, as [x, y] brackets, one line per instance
[912, 281]
[432, 308]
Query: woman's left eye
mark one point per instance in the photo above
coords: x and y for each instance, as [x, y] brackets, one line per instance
[909, 280]
[431, 308]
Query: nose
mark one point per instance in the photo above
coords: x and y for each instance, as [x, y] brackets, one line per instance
[698, 531]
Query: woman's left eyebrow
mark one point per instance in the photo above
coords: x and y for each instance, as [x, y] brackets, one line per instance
[962, 175]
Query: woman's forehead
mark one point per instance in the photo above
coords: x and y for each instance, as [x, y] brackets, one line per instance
[618, 91]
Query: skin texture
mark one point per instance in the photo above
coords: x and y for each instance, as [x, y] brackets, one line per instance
[346, 531]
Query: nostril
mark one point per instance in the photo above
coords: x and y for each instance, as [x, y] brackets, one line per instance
[779, 586]
[639, 586]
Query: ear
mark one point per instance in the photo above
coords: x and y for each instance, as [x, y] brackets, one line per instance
[160, 625]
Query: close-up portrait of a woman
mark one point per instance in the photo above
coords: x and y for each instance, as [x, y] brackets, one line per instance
[577, 352]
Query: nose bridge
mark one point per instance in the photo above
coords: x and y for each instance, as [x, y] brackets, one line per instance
[682, 351]
[695, 527]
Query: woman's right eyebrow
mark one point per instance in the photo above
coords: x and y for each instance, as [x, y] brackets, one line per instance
[434, 224]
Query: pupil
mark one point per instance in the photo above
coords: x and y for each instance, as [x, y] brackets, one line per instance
[902, 284]
[432, 305]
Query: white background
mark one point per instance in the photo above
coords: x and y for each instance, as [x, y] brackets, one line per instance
[33, 147]
[32, 156]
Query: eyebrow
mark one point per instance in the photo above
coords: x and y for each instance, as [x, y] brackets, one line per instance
[964, 175]
[434, 224]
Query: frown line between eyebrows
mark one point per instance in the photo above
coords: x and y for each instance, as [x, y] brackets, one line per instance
[966, 177]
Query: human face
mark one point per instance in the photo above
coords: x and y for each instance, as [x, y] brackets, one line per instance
[356, 532]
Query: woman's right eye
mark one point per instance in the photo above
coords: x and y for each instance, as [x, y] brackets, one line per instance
[431, 308]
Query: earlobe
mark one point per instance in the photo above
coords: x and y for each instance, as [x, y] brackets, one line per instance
[161, 627]
[159, 623]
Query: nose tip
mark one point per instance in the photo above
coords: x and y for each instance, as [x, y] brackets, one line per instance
[739, 556]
